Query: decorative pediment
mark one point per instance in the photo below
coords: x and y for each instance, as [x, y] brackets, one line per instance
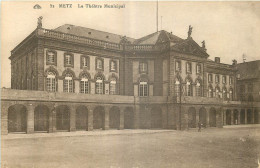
[189, 46]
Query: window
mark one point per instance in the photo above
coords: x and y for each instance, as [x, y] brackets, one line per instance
[68, 83]
[99, 64]
[224, 79]
[210, 92]
[230, 80]
[84, 84]
[51, 82]
[178, 65]
[112, 87]
[99, 85]
[50, 57]
[84, 62]
[198, 69]
[143, 88]
[217, 78]
[217, 92]
[68, 60]
[177, 88]
[224, 93]
[198, 88]
[113, 66]
[188, 68]
[210, 77]
[143, 67]
[231, 94]
[188, 88]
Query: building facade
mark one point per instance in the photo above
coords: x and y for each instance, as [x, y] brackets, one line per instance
[75, 78]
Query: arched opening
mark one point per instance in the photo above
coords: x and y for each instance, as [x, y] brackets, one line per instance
[202, 116]
[99, 118]
[212, 117]
[41, 118]
[114, 117]
[156, 117]
[17, 118]
[249, 116]
[82, 118]
[235, 118]
[192, 117]
[128, 118]
[228, 117]
[62, 118]
[242, 116]
[256, 116]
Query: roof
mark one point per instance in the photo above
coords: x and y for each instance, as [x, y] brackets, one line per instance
[91, 33]
[249, 70]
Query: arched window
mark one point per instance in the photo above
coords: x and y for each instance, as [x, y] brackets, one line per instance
[84, 84]
[112, 87]
[177, 88]
[68, 83]
[188, 88]
[51, 82]
[224, 93]
[217, 93]
[231, 94]
[198, 88]
[210, 91]
[143, 88]
[99, 85]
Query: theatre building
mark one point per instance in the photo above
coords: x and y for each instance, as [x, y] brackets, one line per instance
[75, 78]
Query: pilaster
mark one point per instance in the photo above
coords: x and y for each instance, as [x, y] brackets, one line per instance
[72, 118]
[121, 122]
[30, 118]
[106, 122]
[90, 118]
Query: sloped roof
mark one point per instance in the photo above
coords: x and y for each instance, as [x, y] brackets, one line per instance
[91, 33]
[249, 70]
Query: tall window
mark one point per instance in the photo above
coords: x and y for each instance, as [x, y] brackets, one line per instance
[50, 57]
[210, 77]
[112, 87]
[198, 69]
[217, 78]
[231, 94]
[198, 88]
[224, 93]
[178, 65]
[68, 83]
[210, 91]
[143, 88]
[99, 85]
[51, 82]
[68, 59]
[84, 84]
[177, 88]
[230, 80]
[188, 67]
[99, 64]
[84, 61]
[224, 79]
[143, 67]
[217, 92]
[113, 66]
[188, 88]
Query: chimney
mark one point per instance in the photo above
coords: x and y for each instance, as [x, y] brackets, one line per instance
[217, 59]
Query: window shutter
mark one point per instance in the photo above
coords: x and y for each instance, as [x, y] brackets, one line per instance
[81, 62]
[72, 60]
[64, 59]
[55, 58]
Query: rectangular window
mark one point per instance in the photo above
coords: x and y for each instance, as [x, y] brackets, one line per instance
[51, 57]
[99, 87]
[210, 77]
[85, 62]
[112, 87]
[224, 79]
[143, 67]
[217, 78]
[178, 66]
[143, 89]
[99, 64]
[189, 90]
[68, 60]
[188, 68]
[177, 90]
[230, 80]
[113, 65]
[84, 87]
[198, 68]
[51, 84]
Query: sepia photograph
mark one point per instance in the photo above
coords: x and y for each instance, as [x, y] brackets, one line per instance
[130, 84]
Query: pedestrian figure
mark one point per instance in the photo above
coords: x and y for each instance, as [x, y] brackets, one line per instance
[199, 125]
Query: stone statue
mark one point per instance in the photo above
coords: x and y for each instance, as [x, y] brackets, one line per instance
[190, 31]
[39, 22]
[203, 44]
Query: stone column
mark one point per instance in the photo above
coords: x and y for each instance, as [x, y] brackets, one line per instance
[106, 124]
[245, 116]
[90, 118]
[224, 116]
[197, 116]
[121, 122]
[72, 118]
[184, 118]
[238, 117]
[30, 118]
[136, 116]
[164, 117]
[253, 116]
[207, 116]
[52, 114]
[4, 117]
[232, 117]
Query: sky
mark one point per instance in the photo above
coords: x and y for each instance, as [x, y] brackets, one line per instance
[230, 29]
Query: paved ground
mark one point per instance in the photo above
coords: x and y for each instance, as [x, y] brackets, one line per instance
[212, 148]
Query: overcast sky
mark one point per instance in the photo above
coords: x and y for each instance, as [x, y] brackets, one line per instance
[229, 28]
